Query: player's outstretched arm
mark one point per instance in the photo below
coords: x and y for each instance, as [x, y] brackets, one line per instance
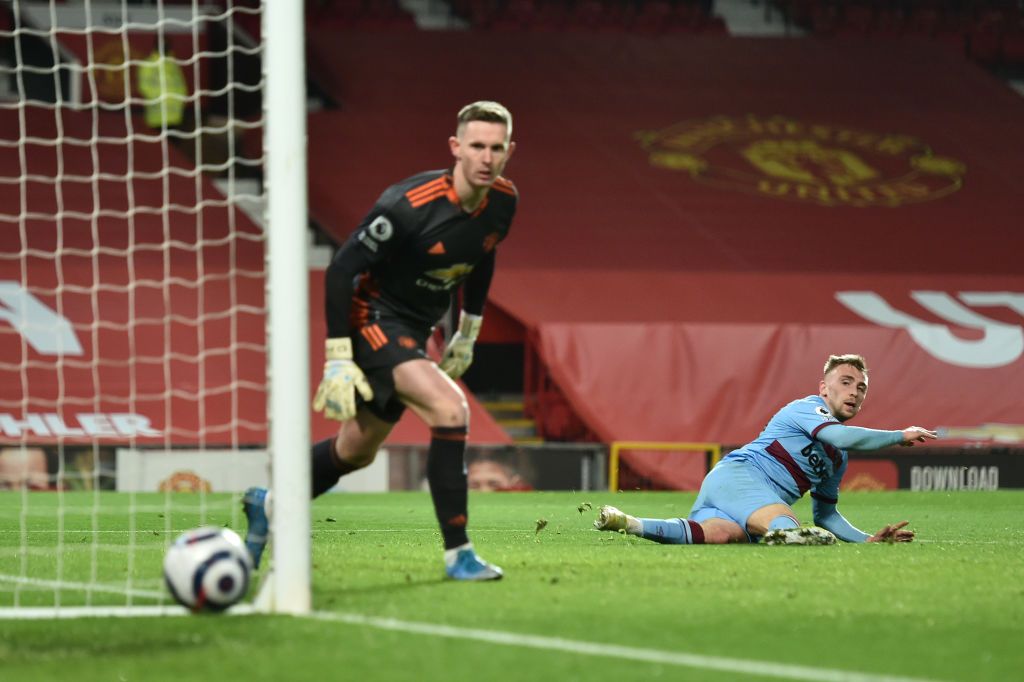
[858, 438]
[916, 434]
[894, 532]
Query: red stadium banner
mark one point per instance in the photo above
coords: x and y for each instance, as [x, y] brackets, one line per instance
[717, 360]
[189, 369]
[704, 221]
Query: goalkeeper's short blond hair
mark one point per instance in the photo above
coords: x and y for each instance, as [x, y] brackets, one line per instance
[857, 361]
[484, 110]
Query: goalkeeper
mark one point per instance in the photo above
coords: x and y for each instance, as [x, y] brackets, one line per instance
[748, 495]
[386, 288]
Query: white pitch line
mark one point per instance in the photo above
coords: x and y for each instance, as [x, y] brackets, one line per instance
[81, 587]
[571, 646]
[66, 612]
[719, 663]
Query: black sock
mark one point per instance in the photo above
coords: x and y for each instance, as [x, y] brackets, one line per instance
[327, 468]
[446, 473]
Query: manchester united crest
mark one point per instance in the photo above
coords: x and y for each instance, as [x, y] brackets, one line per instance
[786, 158]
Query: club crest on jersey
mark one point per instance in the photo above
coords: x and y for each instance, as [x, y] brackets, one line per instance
[443, 279]
[825, 414]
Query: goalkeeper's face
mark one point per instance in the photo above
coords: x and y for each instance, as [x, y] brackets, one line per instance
[481, 150]
[844, 389]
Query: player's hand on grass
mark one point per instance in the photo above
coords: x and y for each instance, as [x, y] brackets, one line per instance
[894, 532]
[915, 434]
[458, 354]
[336, 397]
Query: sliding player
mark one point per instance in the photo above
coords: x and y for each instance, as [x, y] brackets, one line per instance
[748, 494]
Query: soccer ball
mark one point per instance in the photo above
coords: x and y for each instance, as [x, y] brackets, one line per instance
[207, 569]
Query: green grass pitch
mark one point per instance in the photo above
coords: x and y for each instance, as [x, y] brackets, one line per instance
[576, 604]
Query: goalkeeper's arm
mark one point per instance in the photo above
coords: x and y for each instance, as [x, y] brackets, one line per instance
[336, 395]
[458, 354]
[339, 286]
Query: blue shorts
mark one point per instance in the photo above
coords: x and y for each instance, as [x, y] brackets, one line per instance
[733, 490]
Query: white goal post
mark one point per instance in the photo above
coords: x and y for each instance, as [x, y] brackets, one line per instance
[284, 65]
[154, 315]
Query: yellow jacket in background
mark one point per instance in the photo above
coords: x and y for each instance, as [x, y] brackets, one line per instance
[172, 100]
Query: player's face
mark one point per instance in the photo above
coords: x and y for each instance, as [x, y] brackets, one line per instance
[488, 476]
[23, 468]
[481, 151]
[844, 390]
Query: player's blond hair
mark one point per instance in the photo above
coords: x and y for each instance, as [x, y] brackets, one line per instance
[857, 361]
[485, 110]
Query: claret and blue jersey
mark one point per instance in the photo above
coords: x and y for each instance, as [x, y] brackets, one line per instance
[793, 457]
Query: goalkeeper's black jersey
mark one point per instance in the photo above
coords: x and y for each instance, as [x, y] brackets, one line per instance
[413, 249]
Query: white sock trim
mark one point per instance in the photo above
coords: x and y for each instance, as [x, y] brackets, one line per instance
[450, 554]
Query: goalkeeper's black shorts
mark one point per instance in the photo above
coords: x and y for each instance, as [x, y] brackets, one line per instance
[378, 348]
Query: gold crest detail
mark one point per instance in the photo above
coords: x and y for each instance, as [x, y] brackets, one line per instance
[185, 482]
[786, 158]
[452, 275]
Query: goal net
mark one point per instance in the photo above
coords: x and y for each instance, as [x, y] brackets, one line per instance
[138, 319]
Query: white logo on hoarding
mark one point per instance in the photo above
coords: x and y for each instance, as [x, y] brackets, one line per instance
[999, 345]
[46, 331]
[50, 425]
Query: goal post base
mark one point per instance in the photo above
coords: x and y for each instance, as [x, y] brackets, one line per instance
[264, 601]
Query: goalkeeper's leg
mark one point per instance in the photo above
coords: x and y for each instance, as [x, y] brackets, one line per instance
[359, 438]
[355, 447]
[439, 402]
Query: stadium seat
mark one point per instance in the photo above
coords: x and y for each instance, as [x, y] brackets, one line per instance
[713, 25]
[384, 14]
[856, 21]
[514, 15]
[922, 22]
[1013, 46]
[550, 17]
[825, 20]
[984, 39]
[653, 18]
[952, 37]
[336, 14]
[479, 13]
[889, 23]
[686, 18]
[586, 16]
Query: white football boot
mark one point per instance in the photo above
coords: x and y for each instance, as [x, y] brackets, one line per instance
[805, 535]
[610, 518]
